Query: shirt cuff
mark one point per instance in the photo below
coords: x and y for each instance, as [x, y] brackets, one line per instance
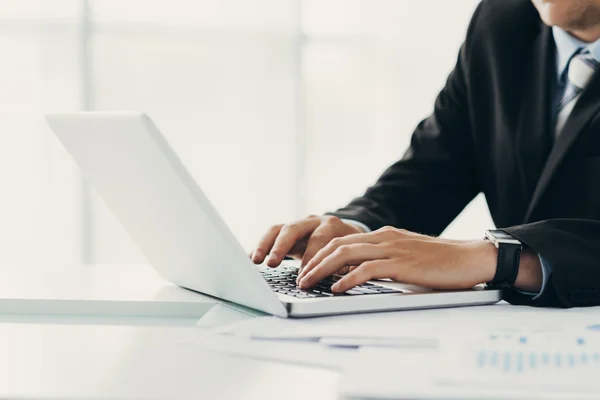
[546, 270]
[357, 224]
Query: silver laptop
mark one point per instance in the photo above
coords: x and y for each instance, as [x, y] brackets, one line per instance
[146, 186]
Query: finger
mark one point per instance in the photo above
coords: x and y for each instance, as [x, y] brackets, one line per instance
[334, 244]
[288, 236]
[344, 256]
[319, 239]
[298, 250]
[377, 269]
[265, 244]
[344, 270]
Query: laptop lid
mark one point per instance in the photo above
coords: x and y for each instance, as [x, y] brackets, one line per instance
[145, 185]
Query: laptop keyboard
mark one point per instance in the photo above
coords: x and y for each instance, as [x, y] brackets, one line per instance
[283, 280]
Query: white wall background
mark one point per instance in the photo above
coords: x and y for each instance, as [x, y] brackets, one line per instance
[279, 108]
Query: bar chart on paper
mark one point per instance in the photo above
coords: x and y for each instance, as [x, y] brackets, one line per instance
[518, 361]
[549, 360]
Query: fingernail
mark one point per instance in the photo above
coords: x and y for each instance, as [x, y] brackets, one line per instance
[256, 255]
[335, 286]
[272, 260]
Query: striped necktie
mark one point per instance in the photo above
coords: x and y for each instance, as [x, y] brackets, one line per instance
[581, 69]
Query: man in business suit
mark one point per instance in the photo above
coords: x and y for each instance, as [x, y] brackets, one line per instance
[519, 120]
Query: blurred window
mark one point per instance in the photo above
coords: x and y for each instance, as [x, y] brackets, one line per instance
[279, 108]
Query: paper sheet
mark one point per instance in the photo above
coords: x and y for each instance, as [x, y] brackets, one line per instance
[410, 374]
[410, 363]
[404, 328]
[297, 353]
[565, 361]
[492, 353]
[407, 328]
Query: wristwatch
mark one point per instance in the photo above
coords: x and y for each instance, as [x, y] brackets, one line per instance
[509, 256]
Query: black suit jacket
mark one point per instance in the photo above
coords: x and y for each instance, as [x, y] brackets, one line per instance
[491, 132]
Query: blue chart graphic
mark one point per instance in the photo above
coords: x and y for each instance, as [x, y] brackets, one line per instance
[527, 361]
[594, 328]
[519, 357]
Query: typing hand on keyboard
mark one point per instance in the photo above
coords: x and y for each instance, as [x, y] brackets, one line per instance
[301, 239]
[408, 257]
[283, 280]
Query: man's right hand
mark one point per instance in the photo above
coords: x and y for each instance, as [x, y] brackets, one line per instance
[301, 239]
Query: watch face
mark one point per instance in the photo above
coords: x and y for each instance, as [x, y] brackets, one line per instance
[498, 237]
[501, 235]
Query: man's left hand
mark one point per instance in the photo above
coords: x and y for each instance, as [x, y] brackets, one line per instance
[403, 257]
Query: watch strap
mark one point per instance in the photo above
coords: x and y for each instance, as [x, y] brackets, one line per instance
[507, 269]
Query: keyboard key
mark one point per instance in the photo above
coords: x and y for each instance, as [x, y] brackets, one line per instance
[388, 290]
[353, 292]
[365, 291]
[283, 280]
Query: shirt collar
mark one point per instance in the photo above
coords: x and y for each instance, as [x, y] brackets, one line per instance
[567, 45]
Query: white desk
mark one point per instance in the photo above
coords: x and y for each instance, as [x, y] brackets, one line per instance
[120, 332]
[59, 339]
[108, 362]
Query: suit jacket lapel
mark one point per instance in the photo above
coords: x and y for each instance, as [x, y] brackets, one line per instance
[585, 109]
[534, 137]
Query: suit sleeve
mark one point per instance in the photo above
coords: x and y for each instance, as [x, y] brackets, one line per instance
[572, 247]
[546, 270]
[436, 178]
